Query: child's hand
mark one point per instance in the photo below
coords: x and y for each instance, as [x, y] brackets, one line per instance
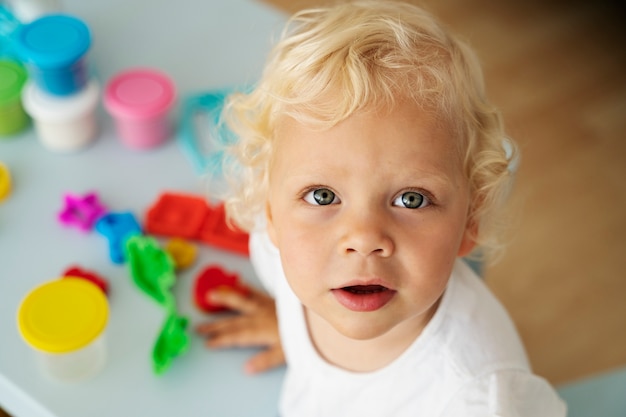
[256, 325]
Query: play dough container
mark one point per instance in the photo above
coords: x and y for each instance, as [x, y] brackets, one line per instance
[54, 49]
[139, 101]
[13, 119]
[63, 123]
[64, 322]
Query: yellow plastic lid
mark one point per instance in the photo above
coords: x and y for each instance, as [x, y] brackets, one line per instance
[63, 315]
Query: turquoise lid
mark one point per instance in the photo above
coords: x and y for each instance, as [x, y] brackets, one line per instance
[53, 41]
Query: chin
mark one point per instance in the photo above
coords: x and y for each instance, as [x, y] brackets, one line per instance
[362, 329]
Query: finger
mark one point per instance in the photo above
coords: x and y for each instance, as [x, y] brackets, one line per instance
[233, 300]
[264, 361]
[206, 329]
[242, 333]
[245, 324]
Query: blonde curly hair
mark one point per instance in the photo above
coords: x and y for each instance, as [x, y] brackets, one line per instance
[376, 53]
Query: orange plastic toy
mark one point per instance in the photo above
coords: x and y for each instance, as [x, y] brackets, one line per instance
[183, 252]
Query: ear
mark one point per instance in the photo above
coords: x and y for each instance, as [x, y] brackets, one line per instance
[468, 242]
[269, 219]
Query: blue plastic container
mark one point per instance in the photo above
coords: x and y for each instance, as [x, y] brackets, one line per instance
[54, 49]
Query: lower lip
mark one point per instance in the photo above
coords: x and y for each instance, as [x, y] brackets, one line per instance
[363, 302]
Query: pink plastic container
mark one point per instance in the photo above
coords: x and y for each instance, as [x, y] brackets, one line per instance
[140, 100]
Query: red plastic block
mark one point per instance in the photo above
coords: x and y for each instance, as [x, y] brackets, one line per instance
[177, 215]
[77, 272]
[217, 232]
[212, 278]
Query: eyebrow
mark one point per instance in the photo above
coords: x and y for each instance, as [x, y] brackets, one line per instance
[437, 177]
[426, 177]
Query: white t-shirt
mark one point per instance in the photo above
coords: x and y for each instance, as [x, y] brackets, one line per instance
[469, 360]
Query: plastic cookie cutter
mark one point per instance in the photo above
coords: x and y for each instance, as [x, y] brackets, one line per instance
[203, 132]
[217, 232]
[78, 272]
[152, 270]
[117, 228]
[173, 341]
[183, 252]
[5, 182]
[215, 278]
[8, 26]
[176, 215]
[81, 211]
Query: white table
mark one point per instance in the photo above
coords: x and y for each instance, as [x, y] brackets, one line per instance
[202, 44]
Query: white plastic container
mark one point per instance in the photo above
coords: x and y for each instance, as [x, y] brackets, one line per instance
[63, 123]
[64, 322]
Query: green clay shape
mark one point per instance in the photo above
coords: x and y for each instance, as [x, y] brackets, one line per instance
[152, 269]
[173, 341]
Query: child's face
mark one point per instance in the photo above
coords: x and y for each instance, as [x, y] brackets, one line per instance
[369, 217]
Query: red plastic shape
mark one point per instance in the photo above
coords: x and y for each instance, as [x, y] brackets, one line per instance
[217, 232]
[177, 215]
[213, 278]
[77, 272]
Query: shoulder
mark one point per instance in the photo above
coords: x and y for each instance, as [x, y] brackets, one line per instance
[506, 393]
[484, 356]
[474, 328]
[473, 333]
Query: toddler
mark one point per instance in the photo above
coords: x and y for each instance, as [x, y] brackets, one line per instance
[369, 162]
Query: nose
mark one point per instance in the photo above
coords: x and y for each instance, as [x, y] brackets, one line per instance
[366, 233]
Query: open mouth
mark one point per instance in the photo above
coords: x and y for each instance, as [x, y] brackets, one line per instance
[365, 289]
[363, 298]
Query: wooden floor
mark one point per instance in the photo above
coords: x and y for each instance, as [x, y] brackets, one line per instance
[557, 69]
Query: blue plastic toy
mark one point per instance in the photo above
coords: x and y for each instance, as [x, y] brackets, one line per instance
[117, 228]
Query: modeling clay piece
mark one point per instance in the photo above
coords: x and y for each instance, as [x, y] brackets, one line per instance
[117, 228]
[173, 341]
[176, 215]
[217, 232]
[5, 182]
[182, 252]
[81, 211]
[77, 272]
[214, 278]
[152, 269]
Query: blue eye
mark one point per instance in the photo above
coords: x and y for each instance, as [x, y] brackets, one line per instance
[321, 197]
[411, 200]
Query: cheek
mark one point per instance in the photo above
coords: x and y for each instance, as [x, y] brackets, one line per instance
[303, 262]
[300, 277]
[298, 255]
